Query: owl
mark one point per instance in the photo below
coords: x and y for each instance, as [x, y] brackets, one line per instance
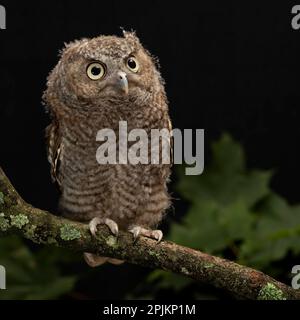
[96, 84]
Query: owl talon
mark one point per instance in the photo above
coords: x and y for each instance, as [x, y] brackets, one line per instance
[113, 227]
[136, 232]
[114, 261]
[158, 235]
[140, 231]
[95, 261]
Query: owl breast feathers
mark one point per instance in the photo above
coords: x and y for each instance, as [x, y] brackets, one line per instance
[97, 83]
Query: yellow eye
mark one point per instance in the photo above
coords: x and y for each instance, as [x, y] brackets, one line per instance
[132, 64]
[96, 71]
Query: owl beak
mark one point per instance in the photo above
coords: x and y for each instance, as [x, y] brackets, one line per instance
[123, 81]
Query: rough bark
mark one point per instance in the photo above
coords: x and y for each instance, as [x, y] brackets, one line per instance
[39, 226]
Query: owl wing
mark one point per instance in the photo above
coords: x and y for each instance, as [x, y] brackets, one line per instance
[53, 137]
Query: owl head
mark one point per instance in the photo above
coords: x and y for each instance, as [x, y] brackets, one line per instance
[92, 72]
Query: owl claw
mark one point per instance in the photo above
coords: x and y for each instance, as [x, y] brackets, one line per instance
[136, 232]
[158, 235]
[113, 227]
[95, 261]
[140, 231]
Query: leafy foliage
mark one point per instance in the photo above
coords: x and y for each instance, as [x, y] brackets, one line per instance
[33, 275]
[233, 211]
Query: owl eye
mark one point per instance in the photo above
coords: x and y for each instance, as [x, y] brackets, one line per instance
[132, 64]
[96, 71]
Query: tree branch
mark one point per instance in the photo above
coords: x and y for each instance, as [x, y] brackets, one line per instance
[42, 227]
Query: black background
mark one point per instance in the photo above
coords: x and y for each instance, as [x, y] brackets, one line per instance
[229, 66]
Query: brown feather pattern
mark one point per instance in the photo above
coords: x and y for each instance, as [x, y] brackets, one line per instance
[79, 107]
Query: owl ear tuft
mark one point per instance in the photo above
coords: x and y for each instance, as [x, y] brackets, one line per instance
[71, 47]
[131, 36]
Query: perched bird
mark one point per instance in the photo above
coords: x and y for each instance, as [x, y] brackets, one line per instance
[97, 83]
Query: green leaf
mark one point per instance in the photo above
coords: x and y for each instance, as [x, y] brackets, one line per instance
[232, 209]
[222, 200]
[228, 156]
[277, 232]
[33, 275]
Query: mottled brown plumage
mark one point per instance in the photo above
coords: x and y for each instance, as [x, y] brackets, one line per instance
[130, 195]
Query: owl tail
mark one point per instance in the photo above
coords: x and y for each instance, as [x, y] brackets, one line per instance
[94, 261]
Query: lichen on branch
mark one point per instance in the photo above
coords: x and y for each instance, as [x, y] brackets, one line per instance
[42, 227]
